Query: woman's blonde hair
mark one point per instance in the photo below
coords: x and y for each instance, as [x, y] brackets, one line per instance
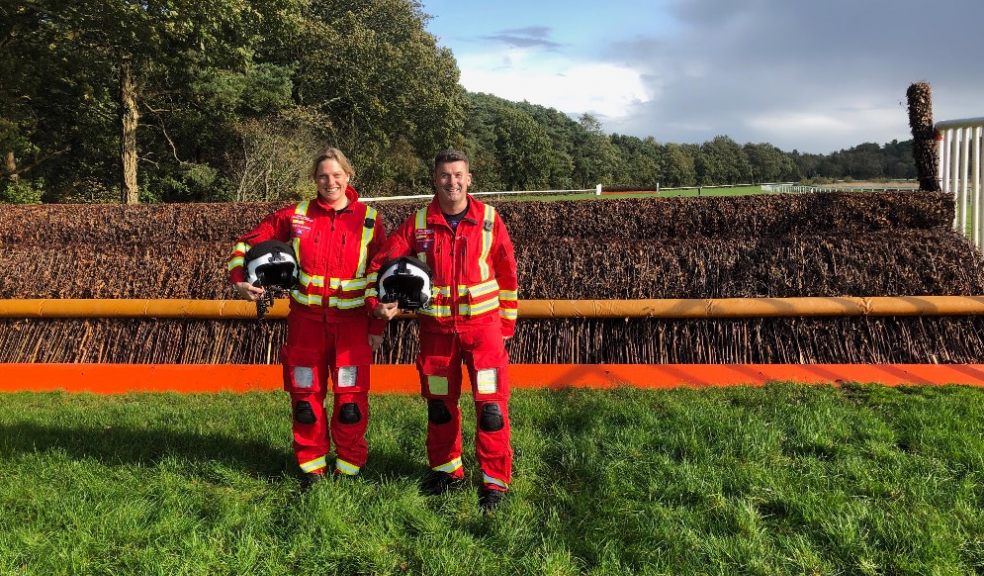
[332, 153]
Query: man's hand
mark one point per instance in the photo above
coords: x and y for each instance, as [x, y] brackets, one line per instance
[387, 310]
[249, 292]
[375, 341]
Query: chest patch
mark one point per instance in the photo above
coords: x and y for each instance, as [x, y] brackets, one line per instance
[300, 225]
[423, 239]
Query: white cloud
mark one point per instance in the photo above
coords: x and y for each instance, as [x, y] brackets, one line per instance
[555, 81]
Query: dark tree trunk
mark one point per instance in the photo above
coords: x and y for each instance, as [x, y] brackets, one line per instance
[924, 147]
[129, 120]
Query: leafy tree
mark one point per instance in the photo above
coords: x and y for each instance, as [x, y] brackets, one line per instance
[596, 159]
[376, 76]
[722, 161]
[520, 144]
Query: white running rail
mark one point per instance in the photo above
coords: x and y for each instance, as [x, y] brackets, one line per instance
[960, 173]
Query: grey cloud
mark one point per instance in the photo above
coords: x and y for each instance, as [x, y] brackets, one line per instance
[840, 66]
[527, 37]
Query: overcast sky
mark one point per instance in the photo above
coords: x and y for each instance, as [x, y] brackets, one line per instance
[816, 76]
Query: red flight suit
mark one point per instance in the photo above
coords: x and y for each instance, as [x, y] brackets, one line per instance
[474, 307]
[328, 324]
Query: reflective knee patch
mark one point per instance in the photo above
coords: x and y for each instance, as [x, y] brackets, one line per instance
[348, 376]
[491, 420]
[303, 413]
[437, 412]
[487, 381]
[303, 376]
[349, 413]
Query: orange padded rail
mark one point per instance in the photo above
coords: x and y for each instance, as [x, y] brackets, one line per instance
[654, 308]
[402, 379]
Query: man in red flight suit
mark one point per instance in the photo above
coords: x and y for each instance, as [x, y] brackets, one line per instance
[329, 329]
[472, 313]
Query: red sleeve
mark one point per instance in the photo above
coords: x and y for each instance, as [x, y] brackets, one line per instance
[504, 259]
[397, 245]
[275, 226]
[376, 325]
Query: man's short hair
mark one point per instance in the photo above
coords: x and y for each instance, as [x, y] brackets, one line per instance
[449, 155]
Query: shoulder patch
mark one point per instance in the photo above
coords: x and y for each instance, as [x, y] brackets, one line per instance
[487, 226]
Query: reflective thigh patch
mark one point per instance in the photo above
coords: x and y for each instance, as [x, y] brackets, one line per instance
[487, 381]
[347, 376]
[437, 385]
[303, 376]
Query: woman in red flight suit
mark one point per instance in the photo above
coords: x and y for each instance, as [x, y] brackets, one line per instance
[329, 329]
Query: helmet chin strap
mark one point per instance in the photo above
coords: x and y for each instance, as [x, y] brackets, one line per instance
[265, 302]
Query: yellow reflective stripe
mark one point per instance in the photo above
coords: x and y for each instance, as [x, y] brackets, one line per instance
[314, 465]
[367, 234]
[371, 293]
[347, 468]
[508, 295]
[420, 222]
[301, 210]
[238, 259]
[479, 289]
[436, 311]
[480, 308]
[297, 251]
[483, 266]
[372, 277]
[346, 303]
[306, 280]
[306, 299]
[509, 313]
[486, 479]
[440, 291]
[353, 284]
[450, 467]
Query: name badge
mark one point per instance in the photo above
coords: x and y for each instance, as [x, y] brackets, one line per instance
[423, 239]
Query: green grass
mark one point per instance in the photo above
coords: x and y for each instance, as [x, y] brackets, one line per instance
[784, 479]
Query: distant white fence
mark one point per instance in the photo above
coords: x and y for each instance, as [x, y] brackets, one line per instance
[793, 187]
[596, 190]
[960, 173]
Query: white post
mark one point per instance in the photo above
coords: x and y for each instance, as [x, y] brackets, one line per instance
[945, 160]
[969, 207]
[598, 190]
[954, 186]
[657, 187]
[978, 196]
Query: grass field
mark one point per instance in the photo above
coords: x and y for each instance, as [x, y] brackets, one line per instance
[778, 480]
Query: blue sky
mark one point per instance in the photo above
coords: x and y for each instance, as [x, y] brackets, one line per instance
[816, 76]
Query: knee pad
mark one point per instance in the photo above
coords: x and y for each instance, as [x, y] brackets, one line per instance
[491, 420]
[349, 413]
[303, 413]
[437, 412]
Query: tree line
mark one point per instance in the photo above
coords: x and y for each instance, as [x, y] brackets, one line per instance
[227, 100]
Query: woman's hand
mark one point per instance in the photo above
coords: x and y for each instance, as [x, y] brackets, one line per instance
[249, 292]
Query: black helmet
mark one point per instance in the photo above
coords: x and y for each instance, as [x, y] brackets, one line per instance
[406, 281]
[271, 264]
